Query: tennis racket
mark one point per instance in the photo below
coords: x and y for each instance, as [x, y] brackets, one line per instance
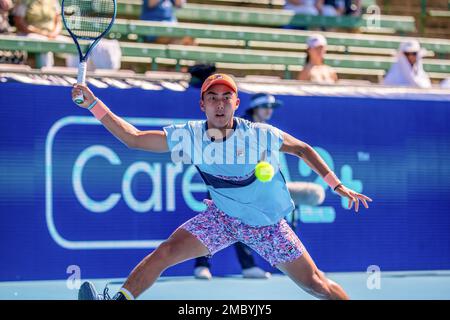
[87, 20]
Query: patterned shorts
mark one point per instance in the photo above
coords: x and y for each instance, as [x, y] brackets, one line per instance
[276, 243]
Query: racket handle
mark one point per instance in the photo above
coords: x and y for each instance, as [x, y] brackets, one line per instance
[79, 99]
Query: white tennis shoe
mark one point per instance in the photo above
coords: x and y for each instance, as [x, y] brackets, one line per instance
[255, 273]
[202, 273]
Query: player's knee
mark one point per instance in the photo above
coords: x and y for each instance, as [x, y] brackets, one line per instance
[167, 253]
[164, 252]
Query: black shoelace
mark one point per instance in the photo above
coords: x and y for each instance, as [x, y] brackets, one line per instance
[105, 295]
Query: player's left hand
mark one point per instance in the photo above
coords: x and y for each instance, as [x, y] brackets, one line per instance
[353, 197]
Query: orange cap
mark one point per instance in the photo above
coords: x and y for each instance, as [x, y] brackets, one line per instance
[219, 78]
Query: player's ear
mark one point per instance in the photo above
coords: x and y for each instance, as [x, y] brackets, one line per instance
[238, 101]
[202, 106]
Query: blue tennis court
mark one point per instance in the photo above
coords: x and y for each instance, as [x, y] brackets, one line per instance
[393, 285]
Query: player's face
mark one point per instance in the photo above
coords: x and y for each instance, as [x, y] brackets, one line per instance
[219, 104]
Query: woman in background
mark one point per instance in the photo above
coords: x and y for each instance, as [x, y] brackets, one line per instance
[315, 70]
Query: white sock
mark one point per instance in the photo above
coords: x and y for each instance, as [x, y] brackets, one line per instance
[126, 293]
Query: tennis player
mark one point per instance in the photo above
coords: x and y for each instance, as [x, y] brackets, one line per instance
[225, 150]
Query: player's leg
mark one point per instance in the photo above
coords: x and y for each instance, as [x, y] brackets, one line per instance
[179, 247]
[204, 234]
[304, 272]
[285, 251]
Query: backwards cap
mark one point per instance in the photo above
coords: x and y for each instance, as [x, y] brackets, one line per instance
[219, 78]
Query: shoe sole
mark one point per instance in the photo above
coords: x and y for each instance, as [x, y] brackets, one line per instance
[87, 292]
[202, 278]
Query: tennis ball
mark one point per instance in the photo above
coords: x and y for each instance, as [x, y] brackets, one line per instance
[264, 171]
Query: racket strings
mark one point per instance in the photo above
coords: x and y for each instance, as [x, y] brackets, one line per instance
[88, 19]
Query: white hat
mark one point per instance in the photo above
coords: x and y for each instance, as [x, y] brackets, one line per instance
[410, 46]
[316, 40]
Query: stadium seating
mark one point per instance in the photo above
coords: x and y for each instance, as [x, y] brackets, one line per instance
[274, 17]
[143, 28]
[262, 3]
[245, 56]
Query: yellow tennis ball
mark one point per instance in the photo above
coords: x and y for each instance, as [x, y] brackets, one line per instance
[264, 171]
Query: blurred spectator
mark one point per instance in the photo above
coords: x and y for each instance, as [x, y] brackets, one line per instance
[163, 10]
[335, 8]
[261, 107]
[325, 7]
[331, 7]
[315, 70]
[5, 7]
[39, 19]
[106, 55]
[445, 84]
[353, 7]
[199, 72]
[303, 6]
[7, 56]
[408, 69]
[160, 10]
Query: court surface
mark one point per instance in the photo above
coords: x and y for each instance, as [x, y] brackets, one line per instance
[393, 285]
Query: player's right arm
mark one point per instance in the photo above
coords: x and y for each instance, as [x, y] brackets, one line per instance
[133, 138]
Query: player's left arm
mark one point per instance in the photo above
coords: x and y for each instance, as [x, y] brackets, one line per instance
[303, 150]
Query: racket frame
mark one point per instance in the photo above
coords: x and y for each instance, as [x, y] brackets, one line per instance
[82, 67]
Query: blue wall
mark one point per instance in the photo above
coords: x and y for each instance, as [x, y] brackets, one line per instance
[395, 151]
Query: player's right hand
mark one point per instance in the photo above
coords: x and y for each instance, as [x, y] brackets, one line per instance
[88, 95]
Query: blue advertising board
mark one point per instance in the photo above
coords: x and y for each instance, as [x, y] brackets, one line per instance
[72, 194]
